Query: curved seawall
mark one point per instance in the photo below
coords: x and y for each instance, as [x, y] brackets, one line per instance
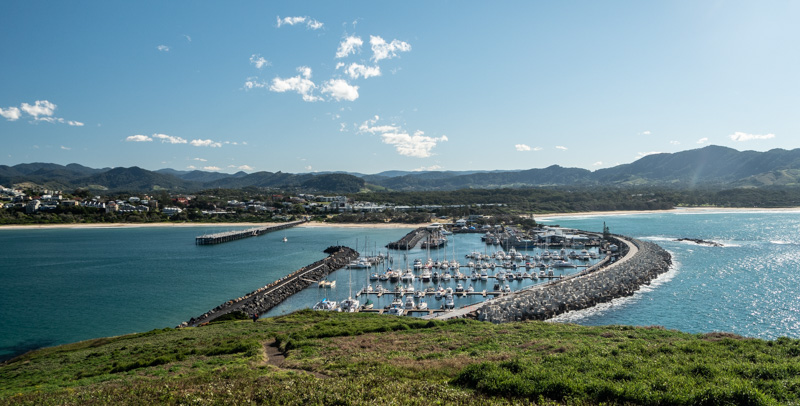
[641, 263]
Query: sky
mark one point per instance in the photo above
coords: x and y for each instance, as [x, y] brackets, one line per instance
[366, 86]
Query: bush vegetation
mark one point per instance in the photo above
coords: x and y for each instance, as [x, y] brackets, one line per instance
[310, 358]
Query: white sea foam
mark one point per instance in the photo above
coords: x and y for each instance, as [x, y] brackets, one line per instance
[576, 316]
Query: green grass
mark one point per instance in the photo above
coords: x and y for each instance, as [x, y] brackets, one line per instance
[370, 359]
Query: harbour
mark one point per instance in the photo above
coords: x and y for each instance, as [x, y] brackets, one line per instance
[228, 236]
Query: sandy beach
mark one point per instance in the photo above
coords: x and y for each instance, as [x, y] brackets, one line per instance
[310, 224]
[681, 210]
[313, 224]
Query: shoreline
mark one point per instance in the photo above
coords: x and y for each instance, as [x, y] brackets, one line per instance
[676, 210]
[311, 224]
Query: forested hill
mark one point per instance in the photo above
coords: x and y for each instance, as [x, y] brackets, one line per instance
[712, 166]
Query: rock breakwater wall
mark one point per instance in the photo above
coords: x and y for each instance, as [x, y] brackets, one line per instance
[641, 262]
[261, 300]
[410, 240]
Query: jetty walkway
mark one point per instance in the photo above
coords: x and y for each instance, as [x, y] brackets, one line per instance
[641, 262]
[219, 238]
[261, 300]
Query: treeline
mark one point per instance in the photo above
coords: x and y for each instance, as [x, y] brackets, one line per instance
[544, 200]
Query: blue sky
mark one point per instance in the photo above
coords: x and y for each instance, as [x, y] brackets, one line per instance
[373, 86]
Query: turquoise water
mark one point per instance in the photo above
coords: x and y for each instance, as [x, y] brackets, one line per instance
[751, 286]
[66, 285]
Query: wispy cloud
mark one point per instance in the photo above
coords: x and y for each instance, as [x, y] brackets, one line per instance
[427, 168]
[742, 137]
[259, 61]
[383, 50]
[644, 154]
[349, 45]
[188, 38]
[339, 89]
[416, 145]
[163, 48]
[301, 84]
[205, 143]
[212, 168]
[169, 139]
[245, 168]
[65, 148]
[308, 21]
[674, 143]
[561, 147]
[646, 132]
[522, 147]
[598, 163]
[702, 140]
[40, 110]
[138, 138]
[200, 159]
[254, 83]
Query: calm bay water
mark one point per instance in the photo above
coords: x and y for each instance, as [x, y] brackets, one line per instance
[65, 285]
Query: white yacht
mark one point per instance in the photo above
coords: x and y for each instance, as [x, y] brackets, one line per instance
[326, 305]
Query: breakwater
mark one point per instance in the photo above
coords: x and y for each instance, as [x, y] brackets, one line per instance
[261, 300]
[640, 263]
[409, 240]
[226, 236]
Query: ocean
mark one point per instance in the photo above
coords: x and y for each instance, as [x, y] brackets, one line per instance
[65, 285]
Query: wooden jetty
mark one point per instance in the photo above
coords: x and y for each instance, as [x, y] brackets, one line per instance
[226, 236]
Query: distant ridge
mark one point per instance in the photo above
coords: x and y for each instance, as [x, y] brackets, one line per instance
[711, 166]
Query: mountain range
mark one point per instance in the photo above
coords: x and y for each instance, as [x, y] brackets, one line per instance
[711, 166]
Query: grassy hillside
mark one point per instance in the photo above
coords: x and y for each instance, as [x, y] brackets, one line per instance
[320, 358]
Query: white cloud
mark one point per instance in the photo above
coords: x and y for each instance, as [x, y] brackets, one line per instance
[39, 108]
[206, 143]
[675, 143]
[355, 71]
[427, 168]
[563, 148]
[309, 22]
[598, 163]
[65, 148]
[254, 83]
[200, 159]
[537, 148]
[191, 167]
[702, 140]
[212, 168]
[138, 138]
[188, 38]
[170, 139]
[10, 114]
[259, 61]
[314, 24]
[342, 127]
[301, 84]
[339, 89]
[308, 167]
[522, 147]
[646, 132]
[350, 45]
[367, 127]
[644, 154]
[163, 48]
[417, 145]
[245, 168]
[383, 50]
[741, 137]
